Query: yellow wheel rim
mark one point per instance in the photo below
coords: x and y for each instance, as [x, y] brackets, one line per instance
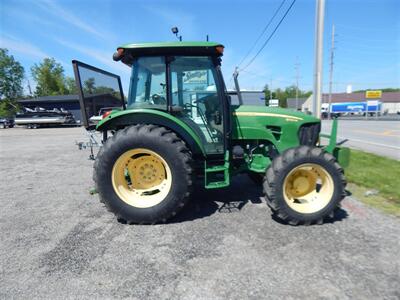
[141, 178]
[308, 188]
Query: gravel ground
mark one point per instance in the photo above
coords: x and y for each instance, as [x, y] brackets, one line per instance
[57, 241]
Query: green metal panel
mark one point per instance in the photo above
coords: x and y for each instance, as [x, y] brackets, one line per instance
[342, 155]
[259, 163]
[332, 137]
[259, 122]
[128, 117]
[169, 45]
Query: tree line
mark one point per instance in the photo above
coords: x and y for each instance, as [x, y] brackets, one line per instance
[283, 94]
[48, 75]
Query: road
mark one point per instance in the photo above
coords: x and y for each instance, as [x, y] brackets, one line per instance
[58, 241]
[379, 137]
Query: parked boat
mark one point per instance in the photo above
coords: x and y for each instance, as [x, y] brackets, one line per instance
[39, 116]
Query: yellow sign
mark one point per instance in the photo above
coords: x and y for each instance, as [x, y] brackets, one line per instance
[373, 94]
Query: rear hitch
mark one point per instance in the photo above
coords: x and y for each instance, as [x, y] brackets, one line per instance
[89, 144]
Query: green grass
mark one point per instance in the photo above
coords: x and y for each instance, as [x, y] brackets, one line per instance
[378, 201]
[370, 171]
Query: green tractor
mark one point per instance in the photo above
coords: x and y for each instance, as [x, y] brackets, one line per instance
[178, 125]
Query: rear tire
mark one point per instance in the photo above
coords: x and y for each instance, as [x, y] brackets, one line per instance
[143, 174]
[304, 185]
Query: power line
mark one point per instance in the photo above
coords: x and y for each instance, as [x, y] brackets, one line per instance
[262, 33]
[270, 36]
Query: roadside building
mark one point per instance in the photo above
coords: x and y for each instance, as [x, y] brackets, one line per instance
[390, 100]
[291, 103]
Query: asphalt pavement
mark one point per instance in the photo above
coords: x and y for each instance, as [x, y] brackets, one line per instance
[58, 241]
[379, 137]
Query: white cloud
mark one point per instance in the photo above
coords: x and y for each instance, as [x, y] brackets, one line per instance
[175, 17]
[22, 47]
[103, 57]
[28, 16]
[61, 12]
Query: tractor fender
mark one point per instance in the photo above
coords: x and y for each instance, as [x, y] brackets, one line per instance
[120, 119]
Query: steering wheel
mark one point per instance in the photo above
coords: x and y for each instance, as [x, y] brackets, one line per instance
[157, 99]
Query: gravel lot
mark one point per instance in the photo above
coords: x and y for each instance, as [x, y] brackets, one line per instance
[58, 241]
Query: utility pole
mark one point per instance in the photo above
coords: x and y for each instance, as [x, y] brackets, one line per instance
[29, 87]
[331, 71]
[319, 34]
[296, 67]
[270, 89]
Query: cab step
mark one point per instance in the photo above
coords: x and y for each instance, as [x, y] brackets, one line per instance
[216, 176]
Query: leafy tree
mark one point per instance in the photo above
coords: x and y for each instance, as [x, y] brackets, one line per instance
[267, 94]
[8, 108]
[49, 77]
[387, 90]
[89, 85]
[11, 76]
[71, 85]
[384, 90]
[105, 90]
[283, 94]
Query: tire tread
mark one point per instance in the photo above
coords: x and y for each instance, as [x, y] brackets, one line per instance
[275, 171]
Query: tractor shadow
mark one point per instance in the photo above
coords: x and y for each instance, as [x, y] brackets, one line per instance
[242, 191]
[205, 203]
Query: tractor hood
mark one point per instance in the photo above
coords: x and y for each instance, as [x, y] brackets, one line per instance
[281, 114]
[269, 123]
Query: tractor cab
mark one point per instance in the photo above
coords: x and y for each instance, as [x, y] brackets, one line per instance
[186, 86]
[182, 79]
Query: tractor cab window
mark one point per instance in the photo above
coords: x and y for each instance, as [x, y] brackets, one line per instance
[148, 83]
[194, 92]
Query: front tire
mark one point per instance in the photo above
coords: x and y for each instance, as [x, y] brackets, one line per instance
[143, 174]
[304, 185]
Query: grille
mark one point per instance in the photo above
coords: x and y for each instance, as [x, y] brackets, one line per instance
[309, 133]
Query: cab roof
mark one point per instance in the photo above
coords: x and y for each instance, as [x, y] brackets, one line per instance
[169, 45]
[128, 51]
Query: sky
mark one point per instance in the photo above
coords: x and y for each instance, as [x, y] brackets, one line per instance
[367, 39]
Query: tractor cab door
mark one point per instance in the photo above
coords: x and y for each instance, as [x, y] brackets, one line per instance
[99, 91]
[195, 90]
